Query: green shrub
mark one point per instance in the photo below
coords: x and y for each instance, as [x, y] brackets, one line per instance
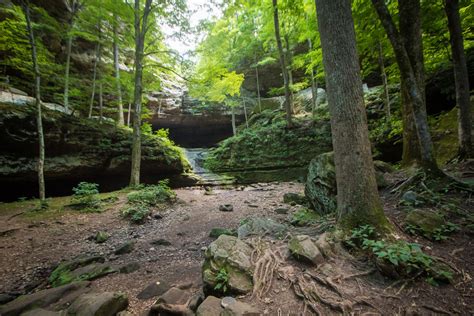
[152, 195]
[136, 213]
[86, 196]
[222, 280]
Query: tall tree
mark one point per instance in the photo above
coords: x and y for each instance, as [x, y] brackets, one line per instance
[284, 69]
[411, 73]
[358, 201]
[141, 26]
[461, 78]
[39, 119]
[120, 118]
[73, 7]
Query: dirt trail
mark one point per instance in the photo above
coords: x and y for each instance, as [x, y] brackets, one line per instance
[31, 248]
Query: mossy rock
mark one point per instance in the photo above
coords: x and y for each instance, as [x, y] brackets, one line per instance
[80, 269]
[304, 217]
[427, 221]
[320, 188]
[232, 255]
[101, 237]
[217, 231]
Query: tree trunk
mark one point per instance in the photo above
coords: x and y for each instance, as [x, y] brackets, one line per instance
[140, 32]
[385, 84]
[129, 113]
[288, 61]
[234, 128]
[411, 80]
[461, 79]
[284, 70]
[358, 200]
[120, 118]
[245, 113]
[99, 64]
[258, 85]
[68, 62]
[314, 84]
[39, 119]
[94, 77]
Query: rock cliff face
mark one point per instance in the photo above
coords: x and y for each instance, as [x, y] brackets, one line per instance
[76, 150]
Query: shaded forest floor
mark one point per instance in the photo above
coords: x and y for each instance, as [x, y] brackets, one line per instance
[33, 243]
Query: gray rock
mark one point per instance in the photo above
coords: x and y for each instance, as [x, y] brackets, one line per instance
[261, 226]
[101, 237]
[217, 231]
[195, 301]
[160, 242]
[58, 296]
[425, 220]
[5, 298]
[238, 308]
[303, 248]
[129, 267]
[281, 210]
[226, 208]
[99, 304]
[320, 188]
[232, 255]
[323, 245]
[410, 197]
[174, 296]
[153, 290]
[125, 248]
[44, 312]
[294, 198]
[210, 307]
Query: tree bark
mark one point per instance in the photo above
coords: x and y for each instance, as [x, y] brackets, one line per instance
[411, 84]
[234, 127]
[37, 91]
[314, 83]
[120, 118]
[383, 73]
[284, 70]
[140, 32]
[68, 62]
[94, 77]
[461, 79]
[258, 85]
[358, 201]
[99, 64]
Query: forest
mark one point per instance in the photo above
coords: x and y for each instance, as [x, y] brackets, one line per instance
[236, 157]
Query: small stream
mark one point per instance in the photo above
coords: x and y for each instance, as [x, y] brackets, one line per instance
[196, 158]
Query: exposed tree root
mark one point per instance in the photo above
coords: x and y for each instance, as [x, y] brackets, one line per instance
[436, 309]
[356, 275]
[264, 271]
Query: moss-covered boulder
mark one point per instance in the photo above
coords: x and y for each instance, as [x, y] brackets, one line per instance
[227, 262]
[426, 221]
[320, 188]
[80, 269]
[303, 248]
[77, 150]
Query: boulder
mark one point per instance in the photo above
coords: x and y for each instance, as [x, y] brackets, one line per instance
[101, 237]
[99, 304]
[129, 267]
[174, 296]
[58, 296]
[226, 208]
[44, 312]
[294, 198]
[323, 245]
[321, 189]
[210, 307]
[427, 221]
[303, 248]
[238, 308]
[153, 290]
[259, 226]
[320, 186]
[125, 248]
[231, 255]
[79, 269]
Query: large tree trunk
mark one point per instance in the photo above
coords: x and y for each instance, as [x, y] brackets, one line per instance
[411, 84]
[358, 200]
[284, 69]
[461, 79]
[234, 127]
[410, 32]
[99, 65]
[94, 77]
[39, 119]
[140, 32]
[120, 118]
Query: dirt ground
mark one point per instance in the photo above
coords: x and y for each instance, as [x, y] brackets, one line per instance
[32, 245]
